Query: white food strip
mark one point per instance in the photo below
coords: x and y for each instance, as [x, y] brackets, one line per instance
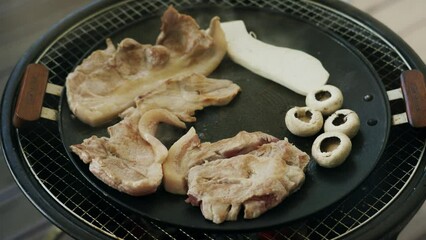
[291, 68]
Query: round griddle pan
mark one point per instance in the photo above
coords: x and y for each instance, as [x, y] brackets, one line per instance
[58, 209]
[261, 106]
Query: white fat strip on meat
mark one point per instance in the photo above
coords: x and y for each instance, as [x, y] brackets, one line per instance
[107, 81]
[130, 159]
[188, 151]
[257, 181]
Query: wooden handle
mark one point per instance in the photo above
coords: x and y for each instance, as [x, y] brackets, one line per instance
[31, 94]
[413, 87]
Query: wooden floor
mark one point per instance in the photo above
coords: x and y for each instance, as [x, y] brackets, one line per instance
[407, 18]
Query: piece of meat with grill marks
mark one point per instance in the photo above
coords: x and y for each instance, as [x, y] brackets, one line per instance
[258, 181]
[186, 94]
[188, 151]
[107, 81]
[130, 159]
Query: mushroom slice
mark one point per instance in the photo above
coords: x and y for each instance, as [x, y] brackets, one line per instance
[331, 149]
[343, 120]
[303, 121]
[326, 99]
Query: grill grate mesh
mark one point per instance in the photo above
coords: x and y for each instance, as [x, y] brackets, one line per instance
[47, 158]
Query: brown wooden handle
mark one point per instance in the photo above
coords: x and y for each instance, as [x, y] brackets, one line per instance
[31, 94]
[413, 87]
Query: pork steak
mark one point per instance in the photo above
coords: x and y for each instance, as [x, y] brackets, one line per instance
[130, 159]
[107, 81]
[188, 151]
[186, 94]
[258, 181]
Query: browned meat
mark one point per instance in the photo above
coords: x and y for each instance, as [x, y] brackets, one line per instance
[193, 42]
[259, 181]
[184, 95]
[107, 81]
[188, 151]
[130, 159]
[287, 151]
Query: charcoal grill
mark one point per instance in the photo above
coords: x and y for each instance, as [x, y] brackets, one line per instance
[379, 207]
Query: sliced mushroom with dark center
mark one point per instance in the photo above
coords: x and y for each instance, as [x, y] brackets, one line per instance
[339, 120]
[303, 121]
[345, 121]
[327, 99]
[331, 149]
[322, 95]
[330, 144]
[304, 116]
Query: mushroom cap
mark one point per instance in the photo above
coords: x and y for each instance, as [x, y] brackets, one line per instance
[303, 121]
[330, 149]
[345, 121]
[326, 99]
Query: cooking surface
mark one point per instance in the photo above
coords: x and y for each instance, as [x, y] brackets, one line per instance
[18, 40]
[247, 112]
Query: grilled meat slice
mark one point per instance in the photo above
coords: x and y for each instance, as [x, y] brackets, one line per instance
[188, 151]
[283, 149]
[186, 94]
[130, 159]
[258, 181]
[107, 81]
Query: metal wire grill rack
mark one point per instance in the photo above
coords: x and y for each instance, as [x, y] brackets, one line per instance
[47, 159]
